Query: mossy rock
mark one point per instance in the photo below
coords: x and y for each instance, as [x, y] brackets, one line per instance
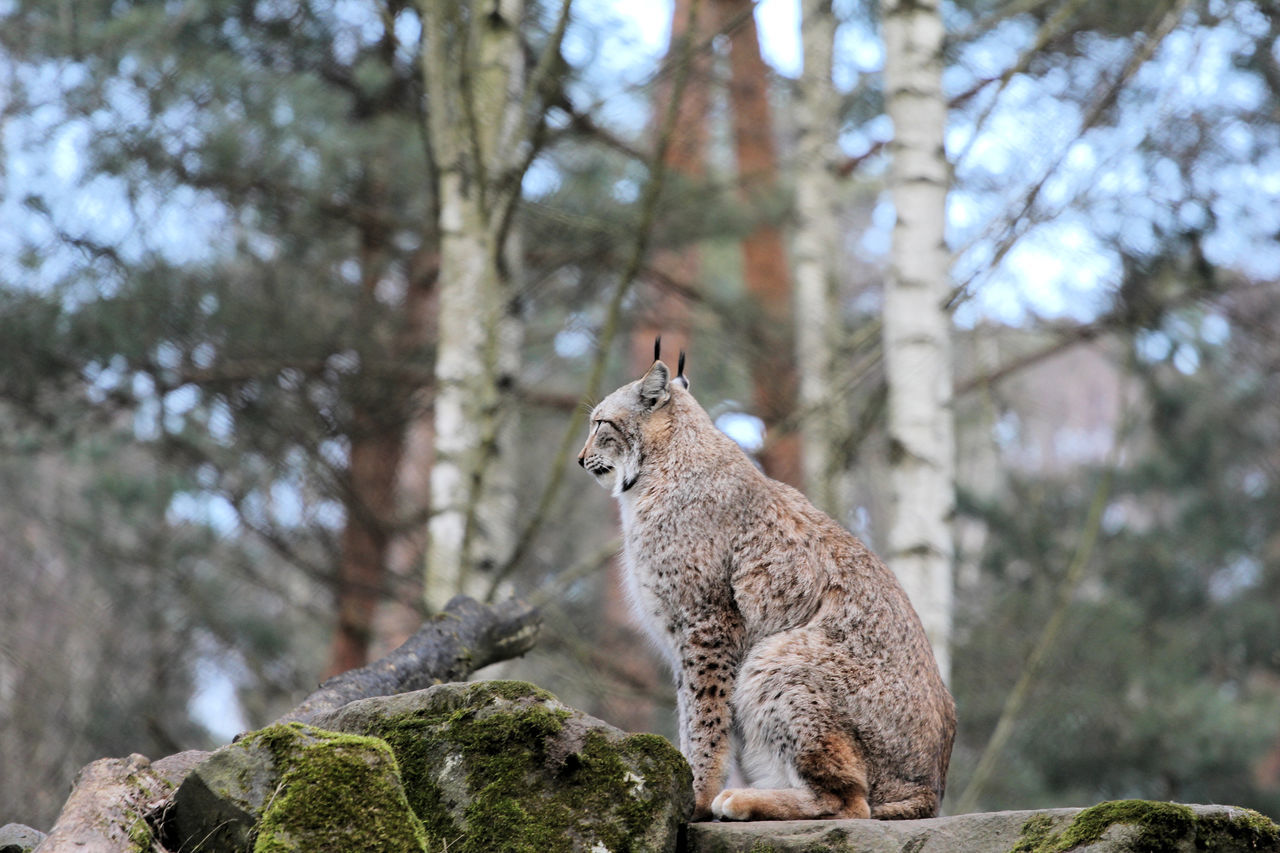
[503, 765]
[295, 788]
[1125, 826]
[1145, 826]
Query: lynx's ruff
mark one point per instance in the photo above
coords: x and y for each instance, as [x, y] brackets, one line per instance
[791, 643]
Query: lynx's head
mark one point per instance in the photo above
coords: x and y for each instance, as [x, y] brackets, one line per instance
[621, 425]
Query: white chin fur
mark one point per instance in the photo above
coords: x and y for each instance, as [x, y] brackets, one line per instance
[622, 474]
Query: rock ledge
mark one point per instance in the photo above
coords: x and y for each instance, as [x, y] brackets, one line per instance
[1131, 826]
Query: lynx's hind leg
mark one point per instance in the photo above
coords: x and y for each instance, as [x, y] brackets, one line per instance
[832, 785]
[924, 804]
[792, 746]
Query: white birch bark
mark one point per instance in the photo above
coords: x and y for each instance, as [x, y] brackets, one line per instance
[917, 327]
[813, 251]
[473, 69]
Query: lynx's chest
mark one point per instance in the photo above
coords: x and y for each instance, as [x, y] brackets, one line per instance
[650, 606]
[657, 576]
[675, 576]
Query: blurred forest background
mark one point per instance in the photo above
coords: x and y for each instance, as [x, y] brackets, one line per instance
[300, 303]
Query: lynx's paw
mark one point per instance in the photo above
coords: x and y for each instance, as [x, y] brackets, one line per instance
[784, 804]
[732, 804]
[766, 804]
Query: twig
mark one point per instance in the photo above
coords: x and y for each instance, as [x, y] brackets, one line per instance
[1070, 338]
[1047, 31]
[1162, 27]
[585, 567]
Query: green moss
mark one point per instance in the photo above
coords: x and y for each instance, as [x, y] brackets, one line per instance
[500, 752]
[512, 691]
[1157, 827]
[1242, 828]
[478, 770]
[336, 792]
[602, 775]
[141, 835]
[1035, 833]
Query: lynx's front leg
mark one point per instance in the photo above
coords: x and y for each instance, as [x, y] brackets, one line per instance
[708, 663]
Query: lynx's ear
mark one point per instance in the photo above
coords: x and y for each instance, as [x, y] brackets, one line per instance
[655, 388]
[680, 377]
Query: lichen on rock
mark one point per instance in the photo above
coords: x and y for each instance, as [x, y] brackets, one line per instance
[19, 838]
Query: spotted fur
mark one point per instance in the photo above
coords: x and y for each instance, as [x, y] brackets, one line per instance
[788, 638]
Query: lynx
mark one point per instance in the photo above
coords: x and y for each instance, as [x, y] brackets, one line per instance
[792, 645]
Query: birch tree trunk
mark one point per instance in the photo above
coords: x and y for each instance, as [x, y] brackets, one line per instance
[479, 127]
[813, 252]
[917, 345]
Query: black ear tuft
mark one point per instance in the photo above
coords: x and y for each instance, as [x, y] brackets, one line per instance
[654, 390]
[657, 348]
[680, 377]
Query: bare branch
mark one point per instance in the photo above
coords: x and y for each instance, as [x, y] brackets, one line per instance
[1161, 27]
[462, 638]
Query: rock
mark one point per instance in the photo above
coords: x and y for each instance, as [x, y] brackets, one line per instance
[107, 811]
[503, 765]
[1122, 826]
[16, 838]
[294, 787]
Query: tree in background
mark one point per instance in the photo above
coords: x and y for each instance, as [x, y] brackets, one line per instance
[917, 324]
[485, 116]
[815, 252]
[1161, 680]
[766, 273]
[225, 319]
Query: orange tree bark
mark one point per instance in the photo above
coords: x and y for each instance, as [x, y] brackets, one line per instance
[764, 258]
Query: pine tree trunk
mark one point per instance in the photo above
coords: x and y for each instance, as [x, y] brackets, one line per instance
[667, 312]
[374, 458]
[916, 325]
[376, 437]
[764, 256]
[813, 252]
[474, 74]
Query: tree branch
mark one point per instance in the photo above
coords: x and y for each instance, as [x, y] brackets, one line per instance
[1068, 339]
[462, 638]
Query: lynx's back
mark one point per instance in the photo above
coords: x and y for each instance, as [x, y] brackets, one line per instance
[789, 639]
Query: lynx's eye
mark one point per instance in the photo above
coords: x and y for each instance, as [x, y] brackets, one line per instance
[606, 432]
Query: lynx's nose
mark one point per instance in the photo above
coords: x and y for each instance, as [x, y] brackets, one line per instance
[582, 459]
